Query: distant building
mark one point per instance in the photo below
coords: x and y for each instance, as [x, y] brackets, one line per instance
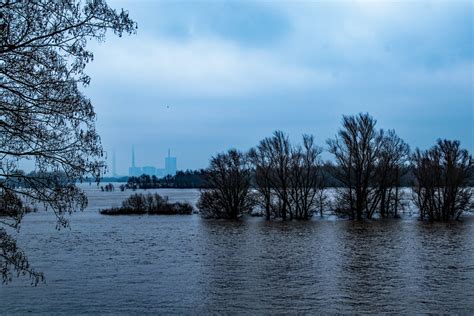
[149, 170]
[134, 171]
[170, 164]
[170, 167]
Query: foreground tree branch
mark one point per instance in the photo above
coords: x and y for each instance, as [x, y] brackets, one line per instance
[45, 120]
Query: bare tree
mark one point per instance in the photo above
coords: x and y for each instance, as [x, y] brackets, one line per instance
[44, 117]
[288, 178]
[392, 160]
[228, 178]
[306, 184]
[356, 149]
[442, 173]
[322, 199]
[279, 148]
[261, 159]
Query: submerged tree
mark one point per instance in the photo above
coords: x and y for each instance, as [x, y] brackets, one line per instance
[356, 149]
[306, 181]
[442, 173]
[391, 163]
[271, 160]
[262, 162]
[370, 164]
[45, 119]
[288, 178]
[279, 148]
[228, 178]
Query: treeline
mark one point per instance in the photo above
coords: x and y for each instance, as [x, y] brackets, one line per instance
[196, 179]
[22, 179]
[188, 179]
[370, 166]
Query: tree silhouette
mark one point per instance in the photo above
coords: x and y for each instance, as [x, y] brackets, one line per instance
[263, 164]
[288, 178]
[391, 163]
[229, 179]
[306, 182]
[356, 149]
[441, 190]
[44, 117]
[279, 147]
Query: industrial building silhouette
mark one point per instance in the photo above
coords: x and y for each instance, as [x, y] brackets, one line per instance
[170, 167]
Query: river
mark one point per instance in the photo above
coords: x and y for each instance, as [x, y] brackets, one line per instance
[188, 265]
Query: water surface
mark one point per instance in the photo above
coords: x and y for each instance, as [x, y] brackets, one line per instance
[184, 264]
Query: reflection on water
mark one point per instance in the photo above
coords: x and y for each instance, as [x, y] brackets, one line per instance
[183, 264]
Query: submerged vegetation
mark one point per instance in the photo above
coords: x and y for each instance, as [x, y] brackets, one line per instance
[229, 178]
[369, 164]
[290, 181]
[441, 189]
[285, 181]
[151, 204]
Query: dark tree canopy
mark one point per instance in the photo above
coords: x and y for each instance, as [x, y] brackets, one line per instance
[288, 178]
[279, 148]
[369, 167]
[45, 119]
[230, 195]
[306, 182]
[391, 165]
[356, 148]
[441, 189]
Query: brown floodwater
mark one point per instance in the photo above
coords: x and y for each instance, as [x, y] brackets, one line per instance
[188, 265]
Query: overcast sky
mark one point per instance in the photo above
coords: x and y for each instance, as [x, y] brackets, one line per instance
[201, 77]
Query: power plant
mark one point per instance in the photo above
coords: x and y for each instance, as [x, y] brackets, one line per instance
[169, 169]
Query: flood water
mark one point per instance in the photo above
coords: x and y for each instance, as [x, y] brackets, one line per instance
[185, 264]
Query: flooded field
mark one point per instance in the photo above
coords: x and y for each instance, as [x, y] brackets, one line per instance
[185, 264]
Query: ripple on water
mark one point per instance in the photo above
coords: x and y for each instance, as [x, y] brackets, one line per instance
[183, 264]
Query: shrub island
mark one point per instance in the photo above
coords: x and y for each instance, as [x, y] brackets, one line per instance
[151, 204]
